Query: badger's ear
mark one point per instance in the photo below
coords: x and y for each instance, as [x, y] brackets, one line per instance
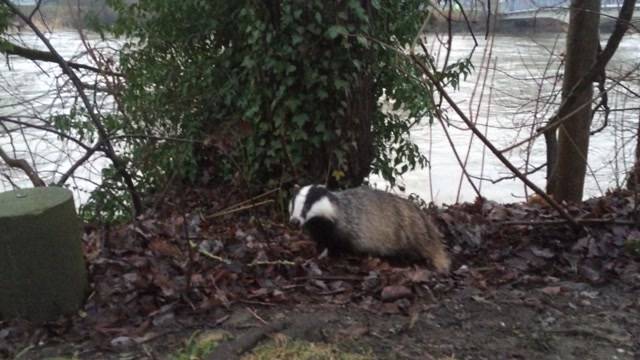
[296, 187]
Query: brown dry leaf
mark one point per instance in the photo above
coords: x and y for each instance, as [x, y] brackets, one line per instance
[552, 290]
[419, 276]
[164, 248]
[354, 331]
[395, 292]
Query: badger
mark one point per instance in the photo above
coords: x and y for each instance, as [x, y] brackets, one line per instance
[368, 221]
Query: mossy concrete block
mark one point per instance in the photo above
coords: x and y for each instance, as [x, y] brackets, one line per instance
[42, 269]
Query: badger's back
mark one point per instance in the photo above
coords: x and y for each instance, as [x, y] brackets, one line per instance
[377, 222]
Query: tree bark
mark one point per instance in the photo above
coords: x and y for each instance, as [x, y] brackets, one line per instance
[566, 180]
[362, 109]
[634, 176]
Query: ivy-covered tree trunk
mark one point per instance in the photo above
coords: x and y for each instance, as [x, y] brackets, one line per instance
[275, 90]
[363, 109]
[567, 174]
[358, 121]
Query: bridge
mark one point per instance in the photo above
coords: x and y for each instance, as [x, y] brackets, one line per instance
[553, 9]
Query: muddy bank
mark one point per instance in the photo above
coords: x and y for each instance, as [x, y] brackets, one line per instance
[525, 285]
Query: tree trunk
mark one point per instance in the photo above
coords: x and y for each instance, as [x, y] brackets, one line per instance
[551, 141]
[42, 270]
[357, 122]
[634, 176]
[566, 181]
[362, 109]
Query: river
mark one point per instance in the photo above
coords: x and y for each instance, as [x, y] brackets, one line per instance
[503, 109]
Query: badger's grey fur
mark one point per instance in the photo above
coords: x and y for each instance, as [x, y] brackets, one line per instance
[368, 221]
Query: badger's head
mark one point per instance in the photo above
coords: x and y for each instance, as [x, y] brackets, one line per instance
[312, 202]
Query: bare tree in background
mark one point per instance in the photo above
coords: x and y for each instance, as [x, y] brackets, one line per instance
[567, 172]
[87, 105]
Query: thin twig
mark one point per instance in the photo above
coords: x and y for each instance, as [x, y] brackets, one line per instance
[238, 209]
[209, 254]
[509, 177]
[255, 315]
[560, 121]
[274, 262]
[491, 147]
[102, 132]
[78, 163]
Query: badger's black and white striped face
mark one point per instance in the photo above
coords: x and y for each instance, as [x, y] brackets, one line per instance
[311, 201]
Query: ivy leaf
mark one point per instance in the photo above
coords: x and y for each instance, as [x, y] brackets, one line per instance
[296, 39]
[362, 40]
[248, 62]
[338, 174]
[340, 84]
[300, 119]
[335, 30]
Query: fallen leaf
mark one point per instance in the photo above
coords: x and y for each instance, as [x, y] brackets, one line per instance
[395, 292]
[552, 290]
[419, 276]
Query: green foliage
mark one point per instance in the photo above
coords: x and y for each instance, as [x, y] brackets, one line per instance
[303, 350]
[199, 345]
[270, 89]
[4, 18]
[109, 203]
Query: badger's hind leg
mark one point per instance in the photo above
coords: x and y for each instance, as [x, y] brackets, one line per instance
[438, 255]
[433, 248]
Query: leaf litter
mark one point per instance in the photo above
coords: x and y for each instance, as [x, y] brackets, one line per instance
[176, 268]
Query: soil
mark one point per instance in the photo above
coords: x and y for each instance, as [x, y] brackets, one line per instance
[524, 285]
[562, 320]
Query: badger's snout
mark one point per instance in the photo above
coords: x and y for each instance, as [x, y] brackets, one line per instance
[295, 221]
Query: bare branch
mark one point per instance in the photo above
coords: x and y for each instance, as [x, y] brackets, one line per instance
[118, 164]
[78, 163]
[50, 129]
[24, 166]
[491, 147]
[621, 27]
[510, 177]
[35, 9]
[39, 55]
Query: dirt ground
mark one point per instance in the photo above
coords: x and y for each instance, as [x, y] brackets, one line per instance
[579, 322]
[524, 285]
[552, 320]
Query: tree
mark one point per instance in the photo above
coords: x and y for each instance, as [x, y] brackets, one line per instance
[568, 169]
[273, 91]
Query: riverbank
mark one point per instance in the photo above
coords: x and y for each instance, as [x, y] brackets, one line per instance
[524, 284]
